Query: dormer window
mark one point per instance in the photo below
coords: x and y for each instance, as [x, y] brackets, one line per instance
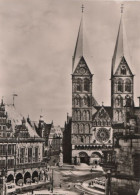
[123, 70]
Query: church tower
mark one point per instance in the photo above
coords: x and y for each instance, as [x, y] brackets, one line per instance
[121, 78]
[81, 96]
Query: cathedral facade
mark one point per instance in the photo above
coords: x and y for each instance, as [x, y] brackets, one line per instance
[92, 127]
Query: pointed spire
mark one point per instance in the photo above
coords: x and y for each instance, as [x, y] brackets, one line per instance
[78, 53]
[121, 47]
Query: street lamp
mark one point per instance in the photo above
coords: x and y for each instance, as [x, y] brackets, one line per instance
[108, 183]
[52, 180]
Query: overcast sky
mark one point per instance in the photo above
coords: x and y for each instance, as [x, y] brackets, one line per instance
[37, 40]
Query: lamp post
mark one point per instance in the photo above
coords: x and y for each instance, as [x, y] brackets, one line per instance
[108, 183]
[52, 180]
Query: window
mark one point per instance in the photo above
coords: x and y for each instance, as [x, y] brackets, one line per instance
[82, 140]
[22, 155]
[128, 85]
[87, 128]
[10, 163]
[84, 115]
[29, 154]
[119, 101]
[120, 85]
[10, 149]
[81, 128]
[2, 163]
[123, 70]
[86, 85]
[79, 85]
[88, 115]
[128, 101]
[36, 154]
[78, 115]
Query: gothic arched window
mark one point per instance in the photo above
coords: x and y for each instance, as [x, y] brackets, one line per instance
[120, 85]
[86, 85]
[88, 115]
[128, 85]
[82, 139]
[87, 128]
[84, 115]
[119, 101]
[78, 115]
[123, 70]
[128, 101]
[88, 101]
[79, 85]
[81, 128]
[85, 100]
[76, 127]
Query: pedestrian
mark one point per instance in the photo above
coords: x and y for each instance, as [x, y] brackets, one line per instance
[60, 185]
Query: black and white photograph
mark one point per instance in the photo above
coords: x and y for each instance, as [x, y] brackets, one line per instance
[69, 97]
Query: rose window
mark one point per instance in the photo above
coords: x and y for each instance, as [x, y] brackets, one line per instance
[102, 135]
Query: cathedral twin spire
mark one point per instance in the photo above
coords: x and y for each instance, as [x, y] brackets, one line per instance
[121, 47]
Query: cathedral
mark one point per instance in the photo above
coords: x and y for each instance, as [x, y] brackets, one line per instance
[92, 127]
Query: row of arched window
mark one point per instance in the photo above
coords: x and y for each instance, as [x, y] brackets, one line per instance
[127, 101]
[122, 86]
[81, 101]
[101, 123]
[79, 115]
[81, 128]
[82, 85]
[81, 139]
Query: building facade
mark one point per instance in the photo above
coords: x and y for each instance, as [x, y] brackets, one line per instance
[21, 151]
[91, 128]
[53, 135]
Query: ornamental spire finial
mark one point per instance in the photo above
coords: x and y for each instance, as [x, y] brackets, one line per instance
[82, 8]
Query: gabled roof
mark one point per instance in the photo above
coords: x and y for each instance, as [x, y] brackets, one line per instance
[94, 102]
[107, 109]
[121, 49]
[16, 120]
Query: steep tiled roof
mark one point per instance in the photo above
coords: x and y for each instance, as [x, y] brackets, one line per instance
[16, 120]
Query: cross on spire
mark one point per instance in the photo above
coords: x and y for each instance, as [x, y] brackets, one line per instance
[122, 7]
[82, 8]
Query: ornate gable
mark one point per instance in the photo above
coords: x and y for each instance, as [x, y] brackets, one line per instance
[123, 68]
[102, 115]
[82, 68]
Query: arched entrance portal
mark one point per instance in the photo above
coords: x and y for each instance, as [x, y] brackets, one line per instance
[19, 179]
[27, 178]
[10, 178]
[95, 158]
[35, 176]
[84, 158]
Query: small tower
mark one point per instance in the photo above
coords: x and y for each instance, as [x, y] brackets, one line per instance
[121, 78]
[81, 95]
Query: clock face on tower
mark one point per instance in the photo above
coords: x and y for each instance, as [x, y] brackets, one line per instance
[82, 70]
[102, 135]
